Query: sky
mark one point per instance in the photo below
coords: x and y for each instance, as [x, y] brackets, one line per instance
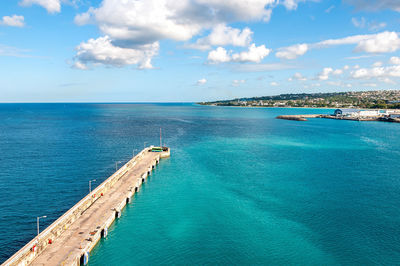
[194, 50]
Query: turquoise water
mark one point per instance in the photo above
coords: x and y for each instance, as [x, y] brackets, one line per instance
[241, 187]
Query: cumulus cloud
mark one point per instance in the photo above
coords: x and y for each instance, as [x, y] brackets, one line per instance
[102, 51]
[292, 52]
[376, 72]
[13, 21]
[327, 71]
[201, 81]
[52, 6]
[254, 54]
[153, 20]
[384, 42]
[274, 84]
[222, 35]
[395, 60]
[219, 55]
[324, 75]
[130, 23]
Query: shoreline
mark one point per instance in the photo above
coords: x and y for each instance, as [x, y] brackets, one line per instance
[290, 107]
[304, 118]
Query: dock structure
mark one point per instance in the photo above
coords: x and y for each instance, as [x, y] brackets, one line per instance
[69, 240]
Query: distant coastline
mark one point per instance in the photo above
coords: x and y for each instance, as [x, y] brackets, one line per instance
[388, 99]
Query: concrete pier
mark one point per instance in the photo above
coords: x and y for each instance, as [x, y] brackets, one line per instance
[69, 240]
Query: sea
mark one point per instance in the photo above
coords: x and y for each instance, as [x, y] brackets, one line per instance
[240, 188]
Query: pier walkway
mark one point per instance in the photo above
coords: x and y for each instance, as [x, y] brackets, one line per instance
[69, 243]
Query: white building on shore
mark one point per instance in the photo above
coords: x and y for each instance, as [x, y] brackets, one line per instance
[357, 113]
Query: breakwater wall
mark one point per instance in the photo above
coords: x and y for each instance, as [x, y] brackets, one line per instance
[298, 117]
[72, 236]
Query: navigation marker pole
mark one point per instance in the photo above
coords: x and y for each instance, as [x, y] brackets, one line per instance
[160, 138]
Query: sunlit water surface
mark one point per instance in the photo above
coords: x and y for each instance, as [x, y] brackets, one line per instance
[241, 187]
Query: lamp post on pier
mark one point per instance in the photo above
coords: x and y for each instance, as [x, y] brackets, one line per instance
[144, 145]
[116, 165]
[90, 185]
[133, 152]
[37, 223]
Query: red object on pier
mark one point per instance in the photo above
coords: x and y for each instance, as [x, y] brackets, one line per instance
[102, 194]
[50, 241]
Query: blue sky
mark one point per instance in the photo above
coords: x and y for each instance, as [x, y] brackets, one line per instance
[194, 50]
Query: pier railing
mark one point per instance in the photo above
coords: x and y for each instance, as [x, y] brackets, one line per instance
[31, 250]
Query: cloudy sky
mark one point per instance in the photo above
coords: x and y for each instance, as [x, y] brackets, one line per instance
[194, 50]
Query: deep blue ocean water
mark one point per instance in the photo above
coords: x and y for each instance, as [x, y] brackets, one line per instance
[241, 187]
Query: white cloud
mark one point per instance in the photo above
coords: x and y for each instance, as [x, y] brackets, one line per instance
[130, 23]
[147, 21]
[52, 6]
[376, 72]
[292, 52]
[384, 42]
[201, 81]
[395, 60]
[254, 54]
[274, 84]
[79, 65]
[291, 4]
[219, 55]
[13, 21]
[298, 76]
[102, 51]
[222, 35]
[324, 75]
[238, 10]
[327, 71]
[237, 82]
